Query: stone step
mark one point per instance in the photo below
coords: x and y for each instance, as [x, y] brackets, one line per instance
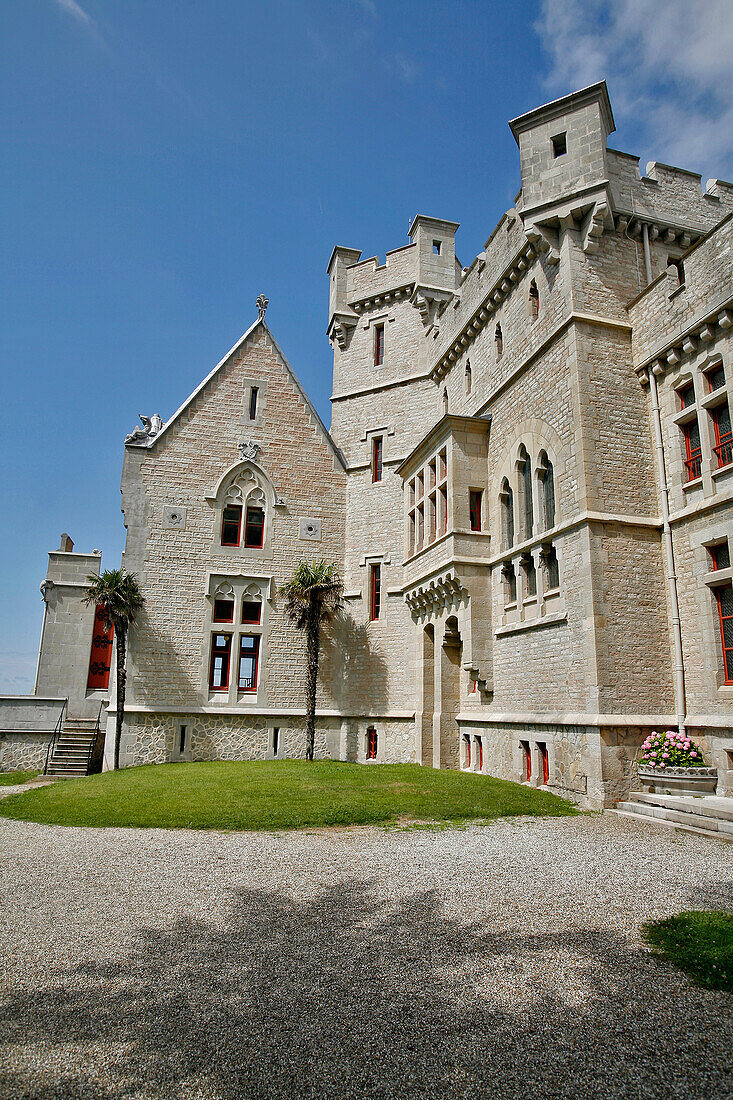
[678, 814]
[70, 771]
[647, 820]
[709, 805]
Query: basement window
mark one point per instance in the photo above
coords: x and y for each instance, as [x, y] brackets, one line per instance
[559, 145]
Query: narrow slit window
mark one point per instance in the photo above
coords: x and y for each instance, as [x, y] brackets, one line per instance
[377, 458]
[474, 508]
[378, 345]
[375, 591]
[548, 487]
[443, 511]
[527, 493]
[445, 402]
[221, 648]
[466, 751]
[254, 533]
[182, 740]
[469, 381]
[479, 754]
[534, 301]
[231, 525]
[498, 341]
[253, 402]
[371, 743]
[275, 741]
[249, 652]
[223, 611]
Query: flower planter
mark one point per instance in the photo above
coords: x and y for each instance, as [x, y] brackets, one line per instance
[682, 781]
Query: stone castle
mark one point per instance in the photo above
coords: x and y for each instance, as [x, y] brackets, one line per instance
[527, 485]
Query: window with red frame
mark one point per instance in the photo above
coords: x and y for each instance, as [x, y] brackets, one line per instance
[724, 599]
[223, 611]
[466, 751]
[221, 648]
[720, 555]
[723, 435]
[378, 345]
[715, 377]
[231, 525]
[377, 458]
[254, 530]
[474, 508]
[371, 743]
[686, 395]
[693, 451]
[251, 611]
[527, 754]
[544, 762]
[480, 753]
[249, 653]
[375, 591]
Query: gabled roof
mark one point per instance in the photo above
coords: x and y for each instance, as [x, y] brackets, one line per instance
[212, 374]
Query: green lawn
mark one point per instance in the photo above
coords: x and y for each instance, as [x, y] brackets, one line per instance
[276, 795]
[12, 779]
[700, 942]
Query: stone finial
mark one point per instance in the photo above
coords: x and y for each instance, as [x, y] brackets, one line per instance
[67, 543]
[262, 304]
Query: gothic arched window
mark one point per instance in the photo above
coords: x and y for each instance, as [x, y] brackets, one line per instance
[525, 485]
[546, 474]
[507, 513]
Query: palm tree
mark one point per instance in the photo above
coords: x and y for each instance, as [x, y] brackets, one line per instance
[118, 594]
[312, 597]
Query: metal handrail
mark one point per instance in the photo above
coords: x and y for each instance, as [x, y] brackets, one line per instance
[93, 742]
[56, 735]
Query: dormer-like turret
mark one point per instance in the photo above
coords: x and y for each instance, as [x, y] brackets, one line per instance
[438, 272]
[563, 157]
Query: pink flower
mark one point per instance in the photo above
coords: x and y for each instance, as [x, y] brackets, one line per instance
[665, 756]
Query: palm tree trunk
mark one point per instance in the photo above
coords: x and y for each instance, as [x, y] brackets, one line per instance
[313, 643]
[121, 684]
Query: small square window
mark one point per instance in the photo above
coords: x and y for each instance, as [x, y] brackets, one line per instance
[436, 248]
[223, 611]
[559, 145]
[251, 611]
[378, 345]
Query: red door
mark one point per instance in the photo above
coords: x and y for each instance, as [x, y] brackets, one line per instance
[101, 654]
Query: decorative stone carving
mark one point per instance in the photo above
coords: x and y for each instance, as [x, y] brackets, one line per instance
[174, 518]
[249, 450]
[151, 426]
[310, 529]
[262, 304]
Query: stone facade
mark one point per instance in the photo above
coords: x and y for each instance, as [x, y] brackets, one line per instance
[533, 562]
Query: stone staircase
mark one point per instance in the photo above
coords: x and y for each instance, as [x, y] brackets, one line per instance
[70, 756]
[707, 816]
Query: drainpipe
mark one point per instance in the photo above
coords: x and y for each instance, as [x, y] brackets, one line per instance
[671, 577]
[647, 253]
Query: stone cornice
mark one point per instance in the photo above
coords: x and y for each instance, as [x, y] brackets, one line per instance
[687, 341]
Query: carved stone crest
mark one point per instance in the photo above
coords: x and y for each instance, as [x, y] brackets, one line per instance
[249, 450]
[262, 304]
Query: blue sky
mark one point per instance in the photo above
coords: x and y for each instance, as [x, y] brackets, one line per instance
[166, 162]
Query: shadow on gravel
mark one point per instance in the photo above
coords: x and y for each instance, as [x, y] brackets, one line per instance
[344, 995]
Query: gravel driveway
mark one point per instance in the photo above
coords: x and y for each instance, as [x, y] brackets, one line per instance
[492, 962]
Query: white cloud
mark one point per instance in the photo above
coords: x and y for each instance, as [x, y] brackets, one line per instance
[667, 63]
[402, 66]
[75, 11]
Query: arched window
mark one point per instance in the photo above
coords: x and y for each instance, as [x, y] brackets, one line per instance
[546, 474]
[534, 301]
[499, 341]
[243, 512]
[527, 508]
[507, 513]
[468, 377]
[445, 402]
